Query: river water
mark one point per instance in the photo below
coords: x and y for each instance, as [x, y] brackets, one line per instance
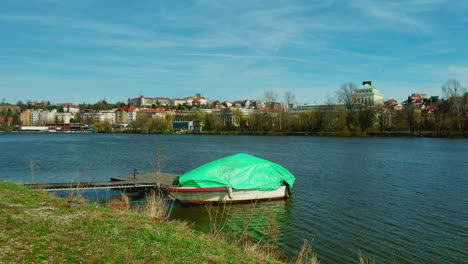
[396, 200]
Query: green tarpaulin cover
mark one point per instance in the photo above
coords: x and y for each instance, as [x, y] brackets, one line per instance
[239, 171]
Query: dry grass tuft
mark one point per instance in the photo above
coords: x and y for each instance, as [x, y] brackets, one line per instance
[156, 206]
[365, 260]
[307, 255]
[121, 203]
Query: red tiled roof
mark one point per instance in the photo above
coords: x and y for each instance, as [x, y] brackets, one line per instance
[431, 107]
[128, 108]
[70, 106]
[157, 110]
[163, 98]
[7, 118]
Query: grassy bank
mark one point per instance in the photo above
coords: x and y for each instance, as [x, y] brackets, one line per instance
[37, 227]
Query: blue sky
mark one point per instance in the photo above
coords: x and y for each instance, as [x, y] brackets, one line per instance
[82, 51]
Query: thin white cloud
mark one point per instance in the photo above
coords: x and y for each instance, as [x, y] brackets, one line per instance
[399, 15]
[75, 23]
[249, 57]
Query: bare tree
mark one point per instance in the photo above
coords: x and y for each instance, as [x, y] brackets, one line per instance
[346, 96]
[289, 98]
[454, 92]
[271, 98]
[383, 117]
[366, 117]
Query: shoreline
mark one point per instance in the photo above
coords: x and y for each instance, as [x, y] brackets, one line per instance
[422, 134]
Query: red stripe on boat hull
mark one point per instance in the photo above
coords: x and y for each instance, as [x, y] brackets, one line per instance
[179, 189]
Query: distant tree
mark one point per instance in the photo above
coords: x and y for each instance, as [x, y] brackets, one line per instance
[412, 117]
[240, 119]
[103, 127]
[141, 123]
[169, 120]
[454, 92]
[22, 105]
[210, 123]
[157, 125]
[289, 98]
[345, 96]
[382, 115]
[271, 98]
[366, 118]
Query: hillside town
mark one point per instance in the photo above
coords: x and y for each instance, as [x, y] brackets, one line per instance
[356, 110]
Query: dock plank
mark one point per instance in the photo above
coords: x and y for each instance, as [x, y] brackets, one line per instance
[147, 180]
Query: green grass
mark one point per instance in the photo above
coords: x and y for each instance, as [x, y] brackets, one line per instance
[37, 227]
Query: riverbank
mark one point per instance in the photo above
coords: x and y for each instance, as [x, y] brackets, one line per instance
[429, 134]
[38, 227]
[335, 134]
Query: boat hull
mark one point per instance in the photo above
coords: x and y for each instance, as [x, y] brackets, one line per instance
[225, 195]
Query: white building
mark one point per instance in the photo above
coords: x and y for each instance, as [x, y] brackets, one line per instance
[71, 108]
[179, 101]
[143, 101]
[48, 116]
[63, 118]
[34, 116]
[368, 95]
[164, 101]
[107, 115]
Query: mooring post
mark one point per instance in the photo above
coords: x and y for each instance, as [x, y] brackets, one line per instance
[135, 172]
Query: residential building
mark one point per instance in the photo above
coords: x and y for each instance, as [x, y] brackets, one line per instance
[273, 106]
[25, 118]
[48, 116]
[71, 108]
[199, 101]
[158, 112]
[257, 104]
[89, 117]
[35, 116]
[63, 118]
[178, 101]
[126, 114]
[6, 121]
[368, 95]
[143, 101]
[227, 104]
[164, 101]
[107, 116]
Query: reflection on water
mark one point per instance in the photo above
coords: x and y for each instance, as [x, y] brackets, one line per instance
[262, 221]
[95, 195]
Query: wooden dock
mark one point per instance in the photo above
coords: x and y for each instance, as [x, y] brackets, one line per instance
[143, 181]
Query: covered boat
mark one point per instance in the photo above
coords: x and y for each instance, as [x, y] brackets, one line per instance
[236, 178]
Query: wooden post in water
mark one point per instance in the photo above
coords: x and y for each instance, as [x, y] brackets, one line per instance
[135, 172]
